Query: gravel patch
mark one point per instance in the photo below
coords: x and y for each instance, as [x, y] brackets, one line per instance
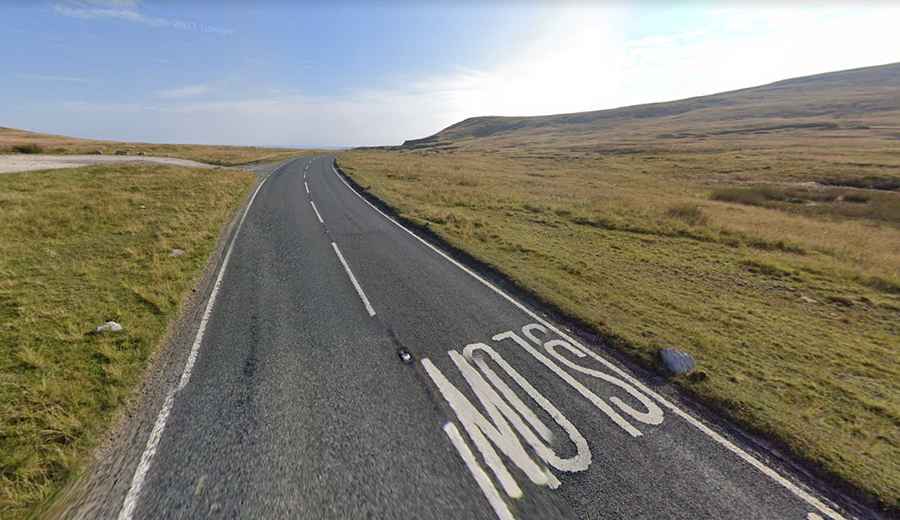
[29, 162]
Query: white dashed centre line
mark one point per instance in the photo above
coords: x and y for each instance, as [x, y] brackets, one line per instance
[306, 186]
[317, 212]
[359, 290]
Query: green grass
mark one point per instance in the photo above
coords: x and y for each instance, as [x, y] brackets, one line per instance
[793, 315]
[79, 247]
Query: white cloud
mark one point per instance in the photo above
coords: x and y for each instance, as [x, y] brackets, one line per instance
[108, 108]
[129, 11]
[183, 92]
[584, 60]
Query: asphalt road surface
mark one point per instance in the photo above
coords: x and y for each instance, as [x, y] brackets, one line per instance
[346, 369]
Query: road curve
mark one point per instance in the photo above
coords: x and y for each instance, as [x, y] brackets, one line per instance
[347, 369]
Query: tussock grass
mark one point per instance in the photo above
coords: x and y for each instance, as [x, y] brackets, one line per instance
[79, 247]
[691, 214]
[27, 148]
[822, 200]
[791, 311]
[15, 141]
[872, 182]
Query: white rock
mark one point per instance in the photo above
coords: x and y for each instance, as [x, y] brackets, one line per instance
[676, 361]
[177, 252]
[109, 326]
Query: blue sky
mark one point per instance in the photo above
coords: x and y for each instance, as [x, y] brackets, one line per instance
[353, 73]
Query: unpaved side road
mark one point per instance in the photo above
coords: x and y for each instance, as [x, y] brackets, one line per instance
[31, 162]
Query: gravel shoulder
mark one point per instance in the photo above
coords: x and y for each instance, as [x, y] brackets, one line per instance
[32, 162]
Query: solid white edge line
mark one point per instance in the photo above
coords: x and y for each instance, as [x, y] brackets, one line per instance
[318, 216]
[743, 455]
[481, 477]
[359, 290]
[140, 472]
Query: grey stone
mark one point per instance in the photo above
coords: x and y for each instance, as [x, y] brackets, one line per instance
[177, 252]
[676, 361]
[109, 326]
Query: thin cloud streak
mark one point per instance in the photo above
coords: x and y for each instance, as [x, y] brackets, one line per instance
[129, 11]
[46, 77]
[183, 92]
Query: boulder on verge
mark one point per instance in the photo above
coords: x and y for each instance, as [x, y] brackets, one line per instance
[109, 326]
[676, 361]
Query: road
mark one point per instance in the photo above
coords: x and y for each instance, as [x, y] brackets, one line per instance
[346, 369]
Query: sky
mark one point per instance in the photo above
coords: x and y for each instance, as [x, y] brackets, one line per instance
[351, 73]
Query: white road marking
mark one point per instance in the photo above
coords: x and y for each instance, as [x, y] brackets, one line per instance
[140, 472]
[306, 186]
[359, 290]
[582, 458]
[653, 415]
[317, 212]
[484, 433]
[484, 481]
[743, 455]
[574, 383]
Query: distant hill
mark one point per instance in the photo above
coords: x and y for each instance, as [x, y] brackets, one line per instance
[852, 104]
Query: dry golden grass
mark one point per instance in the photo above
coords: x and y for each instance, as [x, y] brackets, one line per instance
[79, 247]
[792, 312]
[21, 141]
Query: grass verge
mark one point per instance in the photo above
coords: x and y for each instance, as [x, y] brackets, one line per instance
[79, 247]
[793, 317]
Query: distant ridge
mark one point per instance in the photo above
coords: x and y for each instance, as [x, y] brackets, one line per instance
[864, 100]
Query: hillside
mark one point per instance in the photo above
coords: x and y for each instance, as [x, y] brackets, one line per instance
[858, 105]
[13, 140]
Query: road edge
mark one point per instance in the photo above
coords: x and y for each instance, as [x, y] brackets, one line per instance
[98, 489]
[838, 492]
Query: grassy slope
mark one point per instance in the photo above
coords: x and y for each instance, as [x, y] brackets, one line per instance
[11, 138]
[79, 247]
[787, 292]
[859, 106]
